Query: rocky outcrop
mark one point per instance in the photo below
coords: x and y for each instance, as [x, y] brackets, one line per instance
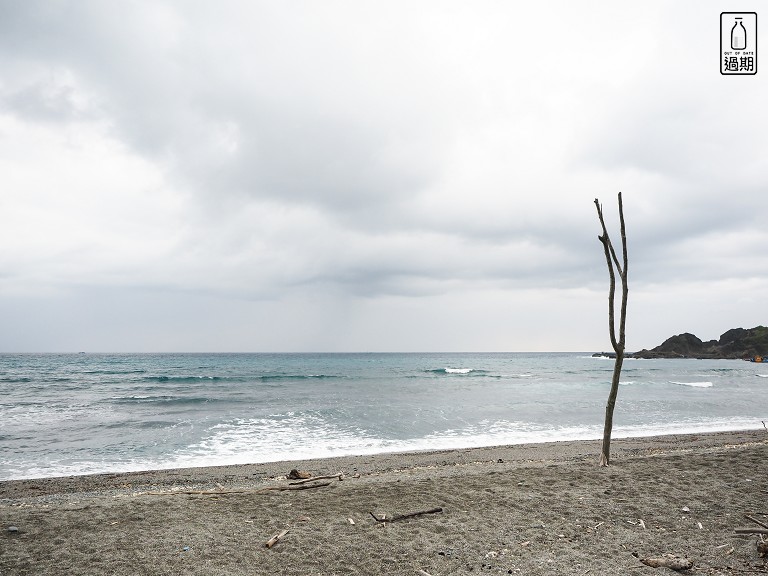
[735, 343]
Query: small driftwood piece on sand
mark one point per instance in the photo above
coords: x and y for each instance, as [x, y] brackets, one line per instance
[756, 521]
[668, 561]
[340, 476]
[405, 516]
[750, 530]
[291, 487]
[276, 538]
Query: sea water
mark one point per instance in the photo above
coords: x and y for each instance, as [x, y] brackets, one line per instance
[65, 414]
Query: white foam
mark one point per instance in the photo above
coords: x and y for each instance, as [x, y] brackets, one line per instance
[693, 384]
[260, 440]
[458, 370]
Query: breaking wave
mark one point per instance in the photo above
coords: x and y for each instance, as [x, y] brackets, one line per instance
[693, 384]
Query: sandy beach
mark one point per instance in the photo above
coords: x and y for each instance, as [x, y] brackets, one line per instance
[524, 509]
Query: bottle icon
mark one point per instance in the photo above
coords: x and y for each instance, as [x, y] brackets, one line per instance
[738, 36]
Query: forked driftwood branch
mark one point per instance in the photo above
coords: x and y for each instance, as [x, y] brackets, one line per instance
[405, 516]
[615, 267]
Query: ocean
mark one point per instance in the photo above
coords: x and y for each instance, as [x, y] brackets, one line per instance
[71, 414]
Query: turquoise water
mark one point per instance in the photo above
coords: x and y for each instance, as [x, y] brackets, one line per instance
[85, 413]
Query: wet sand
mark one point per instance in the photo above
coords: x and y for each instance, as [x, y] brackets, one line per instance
[524, 509]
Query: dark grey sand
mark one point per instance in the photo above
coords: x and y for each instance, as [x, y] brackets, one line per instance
[527, 509]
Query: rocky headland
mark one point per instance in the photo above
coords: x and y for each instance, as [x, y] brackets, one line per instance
[737, 343]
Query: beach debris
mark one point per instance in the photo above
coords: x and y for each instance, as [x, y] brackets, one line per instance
[351, 521]
[668, 561]
[186, 549]
[423, 573]
[292, 487]
[762, 547]
[13, 529]
[276, 538]
[339, 475]
[226, 492]
[299, 475]
[384, 517]
[642, 524]
[615, 268]
[303, 519]
[685, 509]
[756, 521]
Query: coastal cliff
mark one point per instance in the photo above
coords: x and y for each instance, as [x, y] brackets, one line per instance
[735, 343]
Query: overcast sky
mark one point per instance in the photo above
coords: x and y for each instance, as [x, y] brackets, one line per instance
[374, 175]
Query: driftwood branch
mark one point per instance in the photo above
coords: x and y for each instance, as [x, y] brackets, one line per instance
[672, 562]
[291, 487]
[340, 476]
[614, 267]
[750, 530]
[404, 516]
[756, 521]
[276, 538]
[227, 492]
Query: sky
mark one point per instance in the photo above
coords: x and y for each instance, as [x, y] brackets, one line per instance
[355, 175]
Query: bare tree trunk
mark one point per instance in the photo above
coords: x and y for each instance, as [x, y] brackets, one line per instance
[620, 268]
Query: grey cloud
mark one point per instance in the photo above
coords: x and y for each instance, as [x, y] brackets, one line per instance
[363, 151]
[43, 102]
[170, 99]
